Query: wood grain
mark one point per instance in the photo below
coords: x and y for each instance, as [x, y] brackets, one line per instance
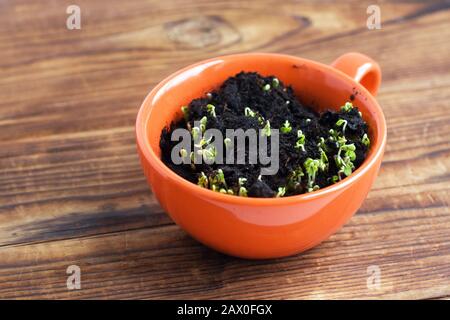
[71, 188]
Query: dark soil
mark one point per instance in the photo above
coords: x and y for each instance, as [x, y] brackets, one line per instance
[276, 105]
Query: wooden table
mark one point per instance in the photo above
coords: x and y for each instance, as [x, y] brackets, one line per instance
[72, 191]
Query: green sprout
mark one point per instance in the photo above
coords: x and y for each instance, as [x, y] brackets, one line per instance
[203, 142]
[226, 191]
[209, 154]
[242, 189]
[347, 107]
[211, 109]
[349, 150]
[219, 179]
[281, 192]
[311, 167]
[335, 179]
[260, 119]
[242, 181]
[183, 153]
[242, 192]
[266, 87]
[333, 135]
[308, 120]
[365, 140]
[203, 122]
[322, 144]
[185, 111]
[342, 123]
[249, 112]
[266, 130]
[323, 161]
[295, 178]
[203, 180]
[286, 128]
[300, 144]
[345, 163]
[195, 133]
[192, 157]
[275, 82]
[227, 142]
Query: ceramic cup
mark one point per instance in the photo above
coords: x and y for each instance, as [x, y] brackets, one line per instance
[261, 228]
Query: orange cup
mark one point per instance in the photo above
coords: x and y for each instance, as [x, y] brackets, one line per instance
[261, 228]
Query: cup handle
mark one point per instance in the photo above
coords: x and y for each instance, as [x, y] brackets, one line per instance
[360, 68]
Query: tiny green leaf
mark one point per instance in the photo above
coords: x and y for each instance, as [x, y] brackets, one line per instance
[281, 192]
[342, 123]
[249, 112]
[203, 180]
[211, 110]
[286, 128]
[266, 130]
[275, 82]
[185, 111]
[347, 107]
[365, 140]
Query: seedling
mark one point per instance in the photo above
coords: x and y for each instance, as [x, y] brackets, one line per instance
[311, 167]
[300, 144]
[203, 142]
[242, 181]
[183, 153]
[322, 144]
[323, 161]
[249, 112]
[219, 179]
[281, 192]
[227, 142]
[275, 82]
[286, 128]
[333, 135]
[365, 140]
[342, 123]
[266, 130]
[203, 180]
[295, 178]
[185, 111]
[195, 133]
[347, 107]
[242, 189]
[203, 122]
[242, 192]
[349, 150]
[266, 87]
[211, 110]
[345, 164]
[226, 191]
[209, 154]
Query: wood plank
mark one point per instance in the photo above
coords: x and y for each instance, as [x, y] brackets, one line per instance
[164, 262]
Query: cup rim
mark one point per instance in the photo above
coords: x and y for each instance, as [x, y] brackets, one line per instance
[155, 161]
